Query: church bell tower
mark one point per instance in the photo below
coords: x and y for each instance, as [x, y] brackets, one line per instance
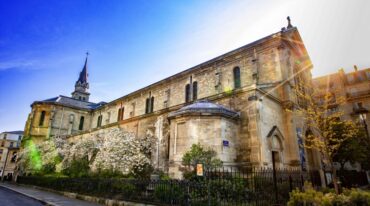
[82, 86]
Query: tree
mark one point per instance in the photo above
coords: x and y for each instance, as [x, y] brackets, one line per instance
[354, 150]
[199, 155]
[319, 111]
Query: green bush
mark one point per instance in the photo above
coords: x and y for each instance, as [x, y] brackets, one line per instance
[311, 197]
[169, 193]
[77, 168]
[359, 197]
[126, 189]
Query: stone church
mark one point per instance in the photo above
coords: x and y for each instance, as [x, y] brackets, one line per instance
[235, 103]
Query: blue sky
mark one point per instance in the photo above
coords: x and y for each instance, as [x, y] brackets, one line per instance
[135, 43]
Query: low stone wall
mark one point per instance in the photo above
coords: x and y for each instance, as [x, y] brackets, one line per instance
[99, 200]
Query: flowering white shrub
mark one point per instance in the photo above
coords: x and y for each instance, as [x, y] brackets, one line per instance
[113, 150]
[121, 151]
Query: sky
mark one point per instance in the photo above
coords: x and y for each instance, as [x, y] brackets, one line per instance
[133, 43]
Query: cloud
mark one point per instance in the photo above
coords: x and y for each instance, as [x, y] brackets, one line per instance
[17, 64]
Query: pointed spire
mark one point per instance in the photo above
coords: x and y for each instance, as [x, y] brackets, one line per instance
[83, 74]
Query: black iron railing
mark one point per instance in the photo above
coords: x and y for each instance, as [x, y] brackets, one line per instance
[226, 186]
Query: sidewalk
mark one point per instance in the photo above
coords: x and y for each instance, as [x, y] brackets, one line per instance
[45, 197]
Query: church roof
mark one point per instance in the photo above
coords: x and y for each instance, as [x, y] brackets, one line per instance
[70, 102]
[205, 107]
[14, 132]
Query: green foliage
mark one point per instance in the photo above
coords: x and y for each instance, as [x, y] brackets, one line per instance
[199, 155]
[169, 193]
[105, 173]
[142, 171]
[127, 190]
[311, 197]
[77, 168]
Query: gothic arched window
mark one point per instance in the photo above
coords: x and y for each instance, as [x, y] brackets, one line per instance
[152, 104]
[120, 113]
[187, 93]
[236, 73]
[147, 105]
[81, 125]
[100, 118]
[42, 118]
[195, 91]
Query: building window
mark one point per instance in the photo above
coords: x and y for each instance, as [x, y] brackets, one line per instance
[100, 118]
[149, 105]
[152, 104]
[236, 73]
[195, 91]
[42, 118]
[14, 157]
[81, 125]
[187, 93]
[120, 113]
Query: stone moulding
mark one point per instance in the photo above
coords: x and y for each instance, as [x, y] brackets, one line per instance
[204, 108]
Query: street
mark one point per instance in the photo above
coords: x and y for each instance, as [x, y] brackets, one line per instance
[9, 198]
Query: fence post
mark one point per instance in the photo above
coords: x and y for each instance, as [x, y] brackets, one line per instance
[302, 182]
[274, 176]
[208, 189]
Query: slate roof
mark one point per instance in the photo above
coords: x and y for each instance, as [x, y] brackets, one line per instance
[70, 102]
[205, 107]
[15, 132]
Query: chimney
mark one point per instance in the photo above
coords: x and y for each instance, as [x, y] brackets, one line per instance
[355, 66]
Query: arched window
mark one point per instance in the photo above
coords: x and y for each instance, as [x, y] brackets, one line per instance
[195, 91]
[236, 73]
[187, 93]
[152, 104]
[42, 118]
[81, 125]
[100, 118]
[120, 113]
[147, 104]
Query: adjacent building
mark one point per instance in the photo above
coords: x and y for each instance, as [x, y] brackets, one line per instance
[235, 103]
[9, 148]
[350, 94]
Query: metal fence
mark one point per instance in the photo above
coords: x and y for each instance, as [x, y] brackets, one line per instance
[352, 178]
[226, 186]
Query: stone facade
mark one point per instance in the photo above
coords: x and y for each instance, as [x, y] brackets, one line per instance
[9, 148]
[254, 81]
